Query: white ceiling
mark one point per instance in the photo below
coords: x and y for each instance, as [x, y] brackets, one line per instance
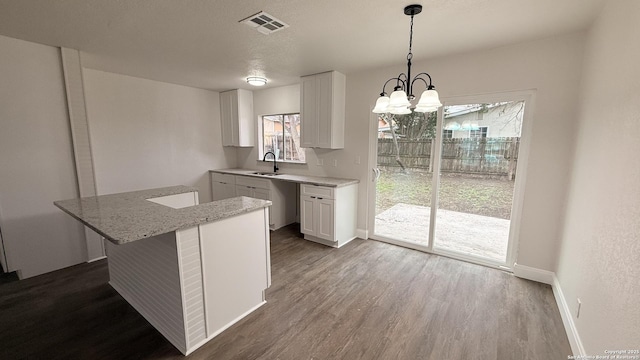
[200, 42]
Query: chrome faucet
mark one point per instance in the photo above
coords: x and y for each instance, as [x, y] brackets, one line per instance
[275, 166]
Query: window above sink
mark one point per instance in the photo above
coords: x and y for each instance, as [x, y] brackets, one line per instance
[280, 134]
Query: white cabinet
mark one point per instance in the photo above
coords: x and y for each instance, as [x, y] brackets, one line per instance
[255, 188]
[236, 116]
[318, 217]
[328, 215]
[223, 186]
[322, 104]
[282, 195]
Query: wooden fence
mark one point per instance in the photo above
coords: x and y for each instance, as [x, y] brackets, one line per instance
[481, 156]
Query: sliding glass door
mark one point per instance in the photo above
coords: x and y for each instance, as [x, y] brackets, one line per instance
[406, 145]
[446, 183]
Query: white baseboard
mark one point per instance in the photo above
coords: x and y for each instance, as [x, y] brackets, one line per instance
[362, 234]
[96, 259]
[567, 319]
[549, 277]
[530, 273]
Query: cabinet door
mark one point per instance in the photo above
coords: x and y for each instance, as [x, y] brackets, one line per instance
[265, 195]
[308, 112]
[246, 123]
[324, 99]
[244, 191]
[217, 191]
[262, 194]
[325, 218]
[229, 191]
[227, 111]
[223, 191]
[307, 218]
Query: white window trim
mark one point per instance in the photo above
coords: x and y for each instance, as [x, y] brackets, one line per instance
[261, 141]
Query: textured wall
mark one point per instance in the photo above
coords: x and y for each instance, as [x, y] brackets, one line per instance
[147, 134]
[600, 255]
[552, 67]
[36, 161]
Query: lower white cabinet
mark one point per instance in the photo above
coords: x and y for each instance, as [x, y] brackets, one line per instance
[318, 217]
[328, 215]
[282, 194]
[223, 186]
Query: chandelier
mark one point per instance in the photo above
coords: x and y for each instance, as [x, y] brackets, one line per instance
[399, 102]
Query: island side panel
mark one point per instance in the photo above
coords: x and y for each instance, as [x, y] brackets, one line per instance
[235, 264]
[146, 274]
[188, 241]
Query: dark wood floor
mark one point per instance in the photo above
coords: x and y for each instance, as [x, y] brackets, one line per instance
[367, 300]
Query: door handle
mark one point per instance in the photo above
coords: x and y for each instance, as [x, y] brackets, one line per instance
[376, 174]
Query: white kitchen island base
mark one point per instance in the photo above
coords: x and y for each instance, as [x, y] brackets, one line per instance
[192, 270]
[194, 283]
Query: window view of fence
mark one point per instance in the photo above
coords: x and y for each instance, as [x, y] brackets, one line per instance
[281, 135]
[479, 156]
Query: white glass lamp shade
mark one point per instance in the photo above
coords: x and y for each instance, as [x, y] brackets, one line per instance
[399, 99]
[400, 110]
[425, 109]
[382, 105]
[429, 99]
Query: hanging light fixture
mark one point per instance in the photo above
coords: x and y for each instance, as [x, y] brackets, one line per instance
[399, 102]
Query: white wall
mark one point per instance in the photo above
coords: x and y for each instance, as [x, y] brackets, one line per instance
[147, 134]
[552, 67]
[599, 260]
[36, 161]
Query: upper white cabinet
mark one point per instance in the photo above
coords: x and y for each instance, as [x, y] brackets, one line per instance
[322, 103]
[236, 114]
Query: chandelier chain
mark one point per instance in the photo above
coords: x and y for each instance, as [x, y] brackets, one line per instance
[410, 55]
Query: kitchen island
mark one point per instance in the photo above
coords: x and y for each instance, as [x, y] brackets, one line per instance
[192, 270]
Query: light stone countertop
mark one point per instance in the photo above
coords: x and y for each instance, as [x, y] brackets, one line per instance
[126, 217]
[302, 179]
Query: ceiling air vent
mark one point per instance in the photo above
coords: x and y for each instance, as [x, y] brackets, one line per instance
[264, 23]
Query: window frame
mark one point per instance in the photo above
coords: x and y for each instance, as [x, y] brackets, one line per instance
[482, 131]
[261, 149]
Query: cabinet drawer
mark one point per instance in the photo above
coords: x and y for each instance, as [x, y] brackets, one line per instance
[223, 178]
[318, 191]
[252, 182]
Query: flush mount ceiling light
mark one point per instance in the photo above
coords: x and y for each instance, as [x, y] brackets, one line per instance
[399, 102]
[256, 80]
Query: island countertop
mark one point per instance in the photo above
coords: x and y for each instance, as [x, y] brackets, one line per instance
[129, 216]
[301, 179]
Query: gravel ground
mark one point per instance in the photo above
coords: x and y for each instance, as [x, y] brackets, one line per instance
[466, 194]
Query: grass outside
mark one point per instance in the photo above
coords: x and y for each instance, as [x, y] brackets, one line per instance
[467, 194]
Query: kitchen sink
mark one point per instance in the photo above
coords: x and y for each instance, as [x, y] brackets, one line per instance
[266, 173]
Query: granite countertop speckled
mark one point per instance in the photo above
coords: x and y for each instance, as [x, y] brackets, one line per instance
[127, 217]
[302, 179]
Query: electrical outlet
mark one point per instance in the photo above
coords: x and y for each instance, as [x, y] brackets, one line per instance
[578, 308]
[320, 162]
[335, 163]
[357, 161]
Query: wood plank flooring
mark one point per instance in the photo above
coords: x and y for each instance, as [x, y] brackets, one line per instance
[367, 300]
